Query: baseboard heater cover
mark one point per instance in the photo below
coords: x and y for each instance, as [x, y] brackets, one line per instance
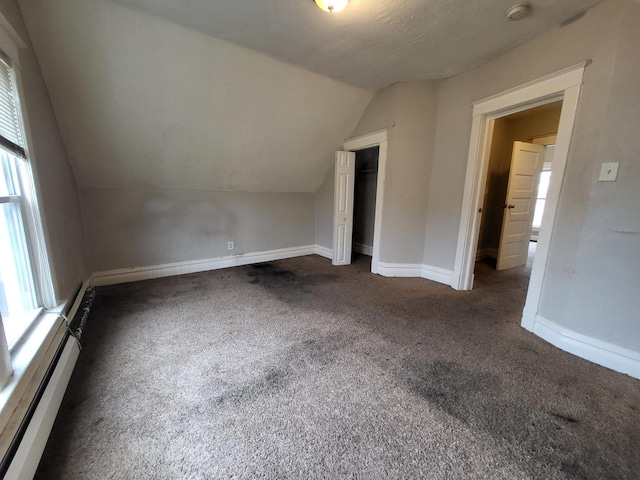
[23, 456]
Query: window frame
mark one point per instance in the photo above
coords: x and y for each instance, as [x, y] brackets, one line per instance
[23, 369]
[18, 363]
[30, 211]
[29, 316]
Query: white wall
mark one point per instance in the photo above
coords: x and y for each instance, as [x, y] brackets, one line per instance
[55, 182]
[324, 211]
[593, 272]
[167, 226]
[408, 110]
[149, 108]
[145, 103]
[602, 299]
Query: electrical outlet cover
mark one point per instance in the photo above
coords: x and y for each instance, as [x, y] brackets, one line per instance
[609, 172]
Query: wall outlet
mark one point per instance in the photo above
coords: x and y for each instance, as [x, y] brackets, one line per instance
[230, 246]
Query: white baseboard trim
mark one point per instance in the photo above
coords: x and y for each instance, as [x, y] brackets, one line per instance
[324, 252]
[124, 275]
[407, 270]
[602, 353]
[429, 272]
[26, 459]
[437, 274]
[528, 318]
[399, 269]
[362, 248]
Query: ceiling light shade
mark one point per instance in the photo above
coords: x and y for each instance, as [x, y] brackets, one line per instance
[518, 11]
[332, 6]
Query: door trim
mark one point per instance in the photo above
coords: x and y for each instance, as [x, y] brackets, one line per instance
[378, 138]
[564, 85]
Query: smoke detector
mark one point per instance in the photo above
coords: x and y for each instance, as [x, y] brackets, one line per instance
[518, 11]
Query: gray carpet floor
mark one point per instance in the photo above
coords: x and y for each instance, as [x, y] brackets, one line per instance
[297, 369]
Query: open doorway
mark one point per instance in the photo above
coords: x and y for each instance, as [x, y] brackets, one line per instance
[516, 186]
[364, 201]
[372, 151]
[564, 85]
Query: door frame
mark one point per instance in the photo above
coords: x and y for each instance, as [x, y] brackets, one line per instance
[564, 85]
[374, 139]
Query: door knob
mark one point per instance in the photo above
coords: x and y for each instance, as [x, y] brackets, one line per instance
[510, 206]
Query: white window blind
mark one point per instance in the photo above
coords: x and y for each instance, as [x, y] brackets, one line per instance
[11, 136]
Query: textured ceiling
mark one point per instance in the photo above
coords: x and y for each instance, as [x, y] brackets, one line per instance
[372, 43]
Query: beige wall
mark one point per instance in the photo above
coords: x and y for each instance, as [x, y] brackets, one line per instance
[528, 127]
[55, 182]
[495, 189]
[150, 110]
[595, 36]
[147, 104]
[133, 228]
[602, 296]
[590, 285]
[408, 110]
[593, 266]
[324, 211]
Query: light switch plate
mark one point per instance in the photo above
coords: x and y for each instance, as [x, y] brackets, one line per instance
[609, 172]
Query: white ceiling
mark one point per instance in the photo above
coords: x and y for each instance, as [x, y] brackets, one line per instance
[372, 43]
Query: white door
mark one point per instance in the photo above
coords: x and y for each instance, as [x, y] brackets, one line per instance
[343, 207]
[526, 164]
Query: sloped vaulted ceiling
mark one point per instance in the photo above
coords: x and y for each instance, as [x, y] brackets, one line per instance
[146, 104]
[148, 97]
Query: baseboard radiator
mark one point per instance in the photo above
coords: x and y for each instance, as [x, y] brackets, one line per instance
[22, 459]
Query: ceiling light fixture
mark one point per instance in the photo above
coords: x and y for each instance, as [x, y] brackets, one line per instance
[332, 6]
[518, 11]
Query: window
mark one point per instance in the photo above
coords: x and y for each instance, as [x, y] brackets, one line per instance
[543, 188]
[31, 323]
[20, 298]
